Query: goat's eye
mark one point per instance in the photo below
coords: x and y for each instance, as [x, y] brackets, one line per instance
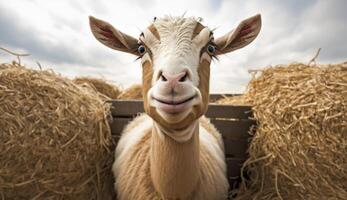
[211, 49]
[141, 49]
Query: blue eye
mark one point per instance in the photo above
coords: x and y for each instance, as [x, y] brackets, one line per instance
[211, 49]
[141, 49]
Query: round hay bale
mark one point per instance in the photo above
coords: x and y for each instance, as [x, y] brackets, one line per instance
[299, 150]
[133, 92]
[55, 140]
[99, 85]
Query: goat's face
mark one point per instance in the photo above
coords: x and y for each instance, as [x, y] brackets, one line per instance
[176, 53]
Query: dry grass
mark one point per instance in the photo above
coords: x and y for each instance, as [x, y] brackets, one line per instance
[99, 85]
[299, 149]
[55, 142]
[133, 92]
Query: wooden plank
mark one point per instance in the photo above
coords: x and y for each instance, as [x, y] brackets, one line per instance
[228, 111]
[236, 148]
[234, 166]
[215, 97]
[118, 125]
[116, 138]
[125, 108]
[234, 129]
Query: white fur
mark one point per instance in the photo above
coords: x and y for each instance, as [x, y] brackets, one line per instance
[213, 145]
[130, 137]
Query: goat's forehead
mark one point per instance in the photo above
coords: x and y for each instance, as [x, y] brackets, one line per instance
[170, 27]
[175, 24]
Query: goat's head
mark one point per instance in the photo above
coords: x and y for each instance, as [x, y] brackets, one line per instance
[176, 53]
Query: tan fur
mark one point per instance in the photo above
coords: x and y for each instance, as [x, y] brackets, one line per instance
[147, 75]
[197, 30]
[204, 84]
[154, 31]
[166, 155]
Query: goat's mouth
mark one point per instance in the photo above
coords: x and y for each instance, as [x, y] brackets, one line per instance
[173, 106]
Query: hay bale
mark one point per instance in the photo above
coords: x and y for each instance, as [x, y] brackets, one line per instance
[299, 150]
[54, 139]
[133, 92]
[99, 85]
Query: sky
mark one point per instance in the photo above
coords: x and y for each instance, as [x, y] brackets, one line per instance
[57, 35]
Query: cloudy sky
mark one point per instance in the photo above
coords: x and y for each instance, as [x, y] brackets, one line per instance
[56, 33]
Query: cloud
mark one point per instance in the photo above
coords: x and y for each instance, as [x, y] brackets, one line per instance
[57, 34]
[19, 36]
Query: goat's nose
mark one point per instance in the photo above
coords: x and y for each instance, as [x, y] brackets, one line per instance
[174, 79]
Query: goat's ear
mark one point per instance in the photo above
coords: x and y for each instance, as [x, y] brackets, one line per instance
[244, 34]
[111, 37]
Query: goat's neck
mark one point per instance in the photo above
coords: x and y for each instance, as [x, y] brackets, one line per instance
[175, 163]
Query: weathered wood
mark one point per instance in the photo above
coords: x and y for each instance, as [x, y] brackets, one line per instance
[228, 111]
[118, 124]
[234, 129]
[126, 108]
[234, 166]
[236, 148]
[215, 97]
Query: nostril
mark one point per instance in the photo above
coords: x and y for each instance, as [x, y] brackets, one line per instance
[183, 78]
[162, 77]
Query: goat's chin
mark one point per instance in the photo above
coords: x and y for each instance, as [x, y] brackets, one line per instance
[173, 114]
[174, 117]
[175, 120]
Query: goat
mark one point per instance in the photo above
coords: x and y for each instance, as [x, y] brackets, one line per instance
[172, 151]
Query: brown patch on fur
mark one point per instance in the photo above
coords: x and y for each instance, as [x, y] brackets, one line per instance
[197, 29]
[168, 156]
[147, 75]
[154, 31]
[204, 84]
